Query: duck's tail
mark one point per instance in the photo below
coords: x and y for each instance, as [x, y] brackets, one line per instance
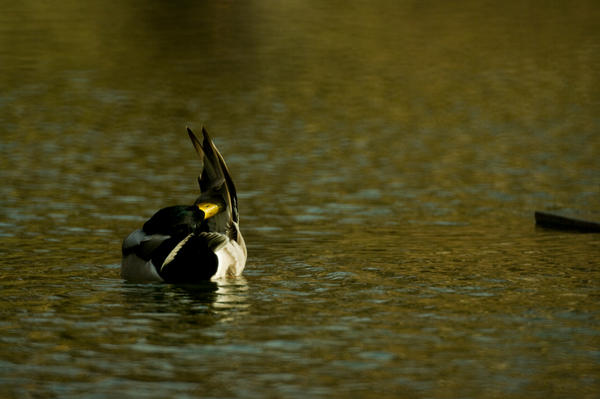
[215, 181]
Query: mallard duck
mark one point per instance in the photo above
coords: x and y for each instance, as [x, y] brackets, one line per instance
[191, 243]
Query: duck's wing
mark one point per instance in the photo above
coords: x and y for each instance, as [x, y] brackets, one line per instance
[143, 244]
[215, 181]
[145, 250]
[139, 248]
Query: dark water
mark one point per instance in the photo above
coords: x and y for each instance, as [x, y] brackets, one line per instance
[389, 156]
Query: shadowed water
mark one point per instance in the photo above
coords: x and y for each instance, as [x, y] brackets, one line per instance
[388, 158]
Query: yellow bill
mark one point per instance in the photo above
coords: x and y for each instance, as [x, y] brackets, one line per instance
[209, 209]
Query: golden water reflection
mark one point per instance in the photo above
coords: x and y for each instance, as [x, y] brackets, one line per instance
[389, 156]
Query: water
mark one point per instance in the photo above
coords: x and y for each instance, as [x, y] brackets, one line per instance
[388, 155]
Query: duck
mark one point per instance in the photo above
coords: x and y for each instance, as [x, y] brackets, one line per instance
[191, 243]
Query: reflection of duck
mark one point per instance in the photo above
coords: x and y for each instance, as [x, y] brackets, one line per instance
[187, 244]
[200, 304]
[232, 294]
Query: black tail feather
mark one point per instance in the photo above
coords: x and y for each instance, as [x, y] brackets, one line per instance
[212, 176]
[215, 172]
[226, 174]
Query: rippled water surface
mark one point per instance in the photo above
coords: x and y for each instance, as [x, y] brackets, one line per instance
[388, 155]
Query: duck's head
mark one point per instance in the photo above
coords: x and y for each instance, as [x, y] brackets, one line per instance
[172, 219]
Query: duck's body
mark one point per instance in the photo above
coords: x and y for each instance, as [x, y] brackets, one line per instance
[187, 244]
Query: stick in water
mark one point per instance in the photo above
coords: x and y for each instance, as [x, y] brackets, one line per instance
[559, 222]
